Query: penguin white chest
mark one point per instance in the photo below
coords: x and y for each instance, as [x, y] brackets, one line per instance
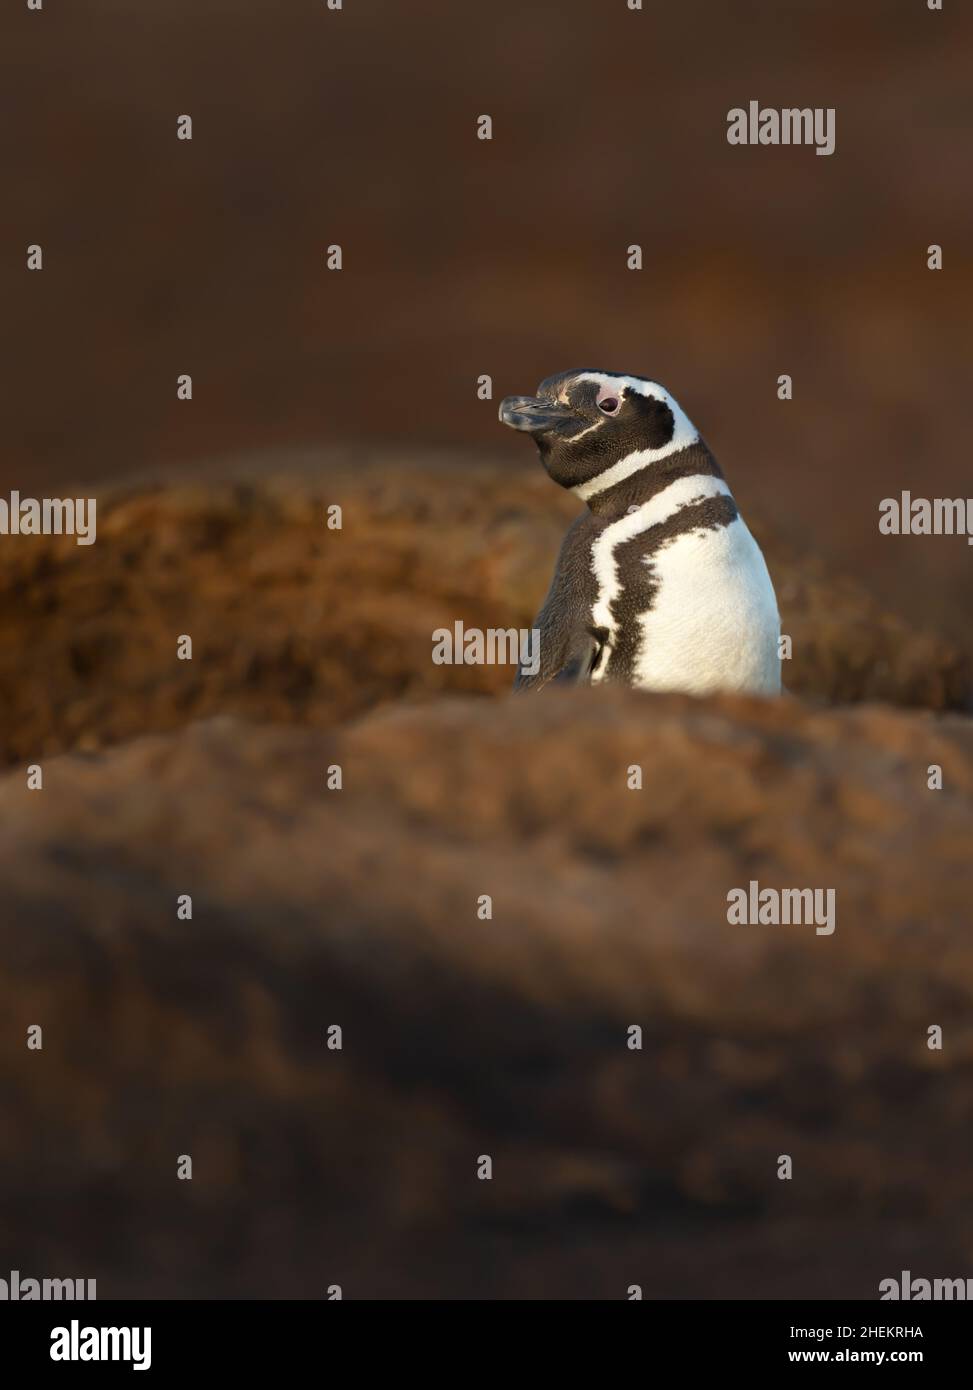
[713, 624]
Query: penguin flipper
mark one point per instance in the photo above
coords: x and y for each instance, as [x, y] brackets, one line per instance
[569, 648]
[576, 665]
[571, 674]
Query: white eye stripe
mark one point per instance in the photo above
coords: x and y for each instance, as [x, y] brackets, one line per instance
[581, 433]
[617, 385]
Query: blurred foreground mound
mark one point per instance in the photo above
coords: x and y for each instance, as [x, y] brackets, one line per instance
[293, 622]
[504, 1037]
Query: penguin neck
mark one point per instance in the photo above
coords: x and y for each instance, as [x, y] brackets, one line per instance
[651, 480]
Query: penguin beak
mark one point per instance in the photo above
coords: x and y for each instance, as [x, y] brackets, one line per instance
[533, 415]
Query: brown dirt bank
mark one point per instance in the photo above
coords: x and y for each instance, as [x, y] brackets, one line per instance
[505, 1037]
[292, 622]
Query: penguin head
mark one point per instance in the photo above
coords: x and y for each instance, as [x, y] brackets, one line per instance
[587, 424]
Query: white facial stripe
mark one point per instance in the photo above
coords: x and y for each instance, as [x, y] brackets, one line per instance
[633, 383]
[684, 433]
[657, 509]
[581, 434]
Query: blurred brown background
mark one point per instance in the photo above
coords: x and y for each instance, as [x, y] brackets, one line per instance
[464, 257]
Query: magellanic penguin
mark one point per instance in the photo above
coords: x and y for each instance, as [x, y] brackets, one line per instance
[658, 584]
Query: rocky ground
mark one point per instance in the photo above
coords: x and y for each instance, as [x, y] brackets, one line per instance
[462, 1036]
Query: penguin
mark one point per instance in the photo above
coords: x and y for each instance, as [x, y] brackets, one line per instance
[658, 584]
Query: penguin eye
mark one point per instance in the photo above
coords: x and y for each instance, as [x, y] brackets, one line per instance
[609, 404]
